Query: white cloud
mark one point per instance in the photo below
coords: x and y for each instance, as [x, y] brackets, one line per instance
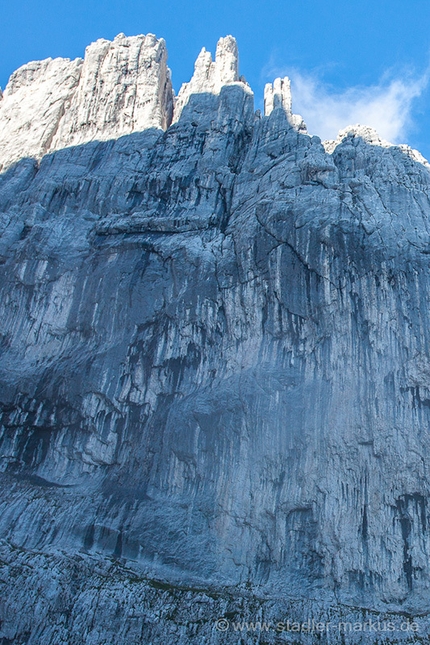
[387, 106]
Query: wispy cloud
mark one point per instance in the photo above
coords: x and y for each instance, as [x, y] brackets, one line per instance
[386, 106]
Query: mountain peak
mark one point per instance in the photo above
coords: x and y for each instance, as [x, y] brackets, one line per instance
[121, 86]
[210, 76]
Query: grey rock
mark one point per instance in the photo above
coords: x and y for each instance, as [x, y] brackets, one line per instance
[214, 384]
[120, 87]
[278, 95]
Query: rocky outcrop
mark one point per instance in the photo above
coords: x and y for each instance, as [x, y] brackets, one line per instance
[120, 87]
[215, 383]
[211, 76]
[370, 136]
[278, 95]
[124, 87]
[33, 106]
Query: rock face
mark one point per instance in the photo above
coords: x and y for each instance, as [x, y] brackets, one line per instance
[215, 373]
[32, 106]
[120, 87]
[211, 76]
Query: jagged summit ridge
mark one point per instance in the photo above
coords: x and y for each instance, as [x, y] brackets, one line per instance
[278, 95]
[120, 87]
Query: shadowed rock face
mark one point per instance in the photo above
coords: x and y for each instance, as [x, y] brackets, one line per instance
[215, 372]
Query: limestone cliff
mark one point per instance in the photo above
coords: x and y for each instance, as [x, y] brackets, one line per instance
[214, 380]
[120, 87]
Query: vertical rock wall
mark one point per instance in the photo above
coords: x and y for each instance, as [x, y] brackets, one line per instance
[120, 87]
[214, 372]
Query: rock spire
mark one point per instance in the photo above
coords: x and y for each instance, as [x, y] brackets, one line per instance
[210, 76]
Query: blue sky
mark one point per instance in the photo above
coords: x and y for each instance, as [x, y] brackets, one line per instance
[348, 60]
